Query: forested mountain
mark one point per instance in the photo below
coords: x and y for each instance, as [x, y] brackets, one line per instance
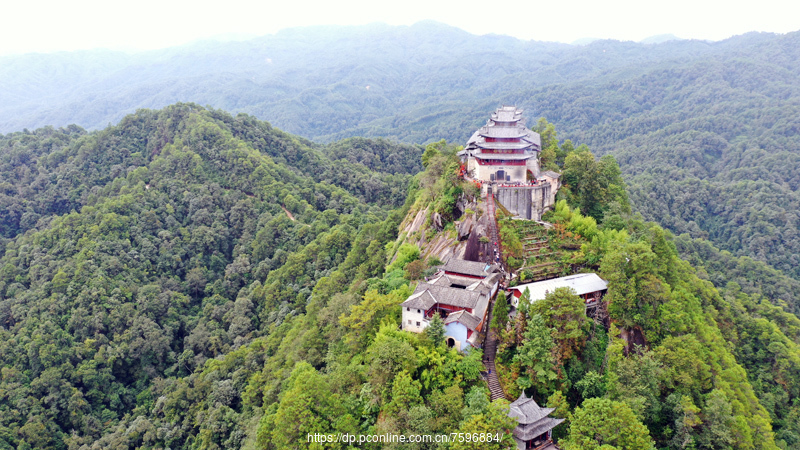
[133, 255]
[705, 132]
[413, 83]
[192, 279]
[710, 148]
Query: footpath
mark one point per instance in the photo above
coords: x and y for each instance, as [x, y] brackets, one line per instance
[490, 343]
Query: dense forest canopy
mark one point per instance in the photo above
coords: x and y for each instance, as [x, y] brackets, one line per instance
[193, 279]
[706, 133]
[133, 255]
[188, 278]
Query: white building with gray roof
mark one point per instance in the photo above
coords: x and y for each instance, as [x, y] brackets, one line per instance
[461, 301]
[589, 286]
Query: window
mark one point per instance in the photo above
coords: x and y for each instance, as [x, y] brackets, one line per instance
[417, 323]
[419, 312]
[408, 309]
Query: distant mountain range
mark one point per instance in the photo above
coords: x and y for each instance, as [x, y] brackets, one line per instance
[320, 82]
[705, 132]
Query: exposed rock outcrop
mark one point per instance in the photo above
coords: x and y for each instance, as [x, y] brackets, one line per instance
[425, 229]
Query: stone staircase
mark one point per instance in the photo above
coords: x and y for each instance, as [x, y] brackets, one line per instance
[490, 349]
[490, 343]
[492, 231]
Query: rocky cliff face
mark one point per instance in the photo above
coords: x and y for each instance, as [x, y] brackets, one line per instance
[425, 229]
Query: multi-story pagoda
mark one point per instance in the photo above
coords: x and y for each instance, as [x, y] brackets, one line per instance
[503, 150]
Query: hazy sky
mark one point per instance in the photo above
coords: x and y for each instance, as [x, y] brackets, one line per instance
[52, 25]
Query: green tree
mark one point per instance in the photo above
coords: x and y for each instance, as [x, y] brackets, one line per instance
[602, 422]
[406, 253]
[476, 401]
[635, 380]
[306, 407]
[595, 185]
[432, 150]
[493, 420]
[591, 385]
[686, 420]
[535, 356]
[564, 313]
[500, 312]
[405, 393]
[558, 401]
[435, 331]
[388, 355]
[447, 406]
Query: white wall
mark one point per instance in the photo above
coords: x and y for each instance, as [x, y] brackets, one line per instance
[414, 316]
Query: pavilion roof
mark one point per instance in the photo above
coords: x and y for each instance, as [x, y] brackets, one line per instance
[533, 419]
[505, 156]
[452, 280]
[447, 295]
[493, 130]
[527, 411]
[503, 132]
[419, 300]
[507, 114]
[528, 432]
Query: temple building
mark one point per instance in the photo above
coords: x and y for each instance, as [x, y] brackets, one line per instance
[503, 156]
[589, 286]
[460, 294]
[503, 150]
[535, 429]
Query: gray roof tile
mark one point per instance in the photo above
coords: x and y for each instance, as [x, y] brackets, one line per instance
[465, 318]
[420, 300]
[473, 268]
[447, 295]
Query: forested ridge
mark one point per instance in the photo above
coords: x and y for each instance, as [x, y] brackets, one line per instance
[134, 256]
[679, 358]
[708, 147]
[193, 279]
[705, 132]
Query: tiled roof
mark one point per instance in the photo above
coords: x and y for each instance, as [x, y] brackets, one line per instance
[517, 131]
[473, 268]
[527, 411]
[490, 130]
[533, 419]
[486, 284]
[447, 295]
[507, 114]
[453, 280]
[478, 139]
[419, 300]
[528, 432]
[505, 156]
[521, 145]
[465, 318]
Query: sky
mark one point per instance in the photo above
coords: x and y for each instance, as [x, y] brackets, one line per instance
[58, 25]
